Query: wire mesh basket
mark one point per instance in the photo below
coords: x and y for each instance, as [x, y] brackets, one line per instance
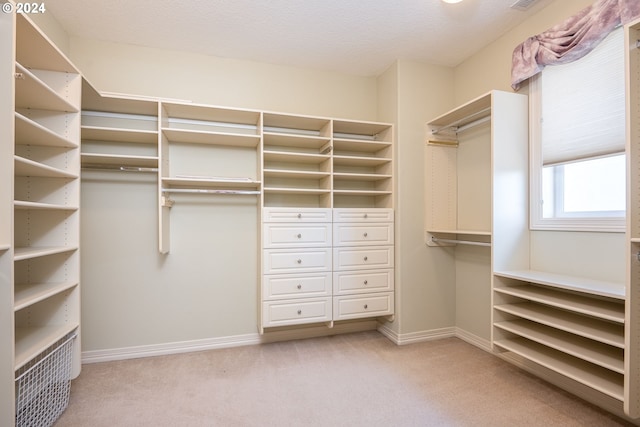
[43, 385]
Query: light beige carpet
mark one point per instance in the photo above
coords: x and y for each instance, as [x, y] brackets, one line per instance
[358, 379]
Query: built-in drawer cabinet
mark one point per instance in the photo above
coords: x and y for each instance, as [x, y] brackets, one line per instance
[296, 286]
[371, 305]
[296, 215]
[362, 215]
[350, 258]
[365, 234]
[278, 261]
[346, 283]
[296, 311]
[286, 235]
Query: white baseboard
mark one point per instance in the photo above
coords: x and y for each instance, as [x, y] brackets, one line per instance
[95, 356]
[415, 337]
[473, 339]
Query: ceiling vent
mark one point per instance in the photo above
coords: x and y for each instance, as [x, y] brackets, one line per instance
[523, 4]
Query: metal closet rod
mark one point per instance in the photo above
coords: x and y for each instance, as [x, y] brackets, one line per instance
[454, 126]
[209, 191]
[461, 242]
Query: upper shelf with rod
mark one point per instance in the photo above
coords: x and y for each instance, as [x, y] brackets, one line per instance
[464, 117]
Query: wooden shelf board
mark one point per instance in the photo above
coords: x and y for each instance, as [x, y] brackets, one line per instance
[5, 247]
[357, 145]
[359, 128]
[608, 357]
[307, 191]
[97, 133]
[359, 161]
[32, 341]
[23, 253]
[97, 160]
[94, 101]
[294, 140]
[467, 232]
[603, 380]
[607, 310]
[213, 138]
[26, 167]
[297, 174]
[291, 157]
[294, 123]
[26, 205]
[360, 176]
[208, 113]
[209, 183]
[31, 92]
[35, 50]
[29, 294]
[580, 284]
[466, 113]
[598, 330]
[343, 192]
[29, 132]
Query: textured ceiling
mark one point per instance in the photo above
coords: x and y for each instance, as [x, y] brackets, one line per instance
[361, 37]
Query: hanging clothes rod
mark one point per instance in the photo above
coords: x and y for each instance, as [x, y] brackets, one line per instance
[457, 129]
[460, 242]
[209, 191]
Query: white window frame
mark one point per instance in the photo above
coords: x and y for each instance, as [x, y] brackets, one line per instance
[537, 220]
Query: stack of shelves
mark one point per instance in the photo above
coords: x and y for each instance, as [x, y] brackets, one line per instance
[570, 325]
[362, 164]
[7, 137]
[39, 241]
[297, 161]
[118, 133]
[206, 150]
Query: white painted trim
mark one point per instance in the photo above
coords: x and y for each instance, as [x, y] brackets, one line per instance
[474, 339]
[95, 356]
[415, 337]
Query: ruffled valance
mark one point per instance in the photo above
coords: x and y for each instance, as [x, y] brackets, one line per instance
[572, 39]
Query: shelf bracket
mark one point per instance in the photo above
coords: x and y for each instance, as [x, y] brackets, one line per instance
[166, 202]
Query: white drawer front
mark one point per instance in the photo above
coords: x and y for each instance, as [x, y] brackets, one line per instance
[362, 215]
[296, 215]
[296, 286]
[296, 235]
[293, 312]
[348, 234]
[363, 306]
[362, 282]
[363, 258]
[296, 261]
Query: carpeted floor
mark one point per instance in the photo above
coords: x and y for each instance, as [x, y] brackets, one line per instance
[358, 379]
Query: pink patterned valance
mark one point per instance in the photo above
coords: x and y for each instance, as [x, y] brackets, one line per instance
[572, 39]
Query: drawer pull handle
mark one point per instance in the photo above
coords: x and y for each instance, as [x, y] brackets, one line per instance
[366, 282]
[299, 286]
[365, 234]
[366, 306]
[366, 215]
[366, 258]
[299, 236]
[299, 261]
[299, 215]
[299, 311]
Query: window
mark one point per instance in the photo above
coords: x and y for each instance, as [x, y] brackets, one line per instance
[578, 142]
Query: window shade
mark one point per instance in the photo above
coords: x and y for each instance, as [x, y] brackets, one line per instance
[583, 105]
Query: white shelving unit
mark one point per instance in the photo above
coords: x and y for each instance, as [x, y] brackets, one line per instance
[206, 150]
[7, 138]
[39, 238]
[331, 175]
[632, 294]
[471, 155]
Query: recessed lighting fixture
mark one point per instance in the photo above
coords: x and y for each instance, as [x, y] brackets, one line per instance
[452, 1]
